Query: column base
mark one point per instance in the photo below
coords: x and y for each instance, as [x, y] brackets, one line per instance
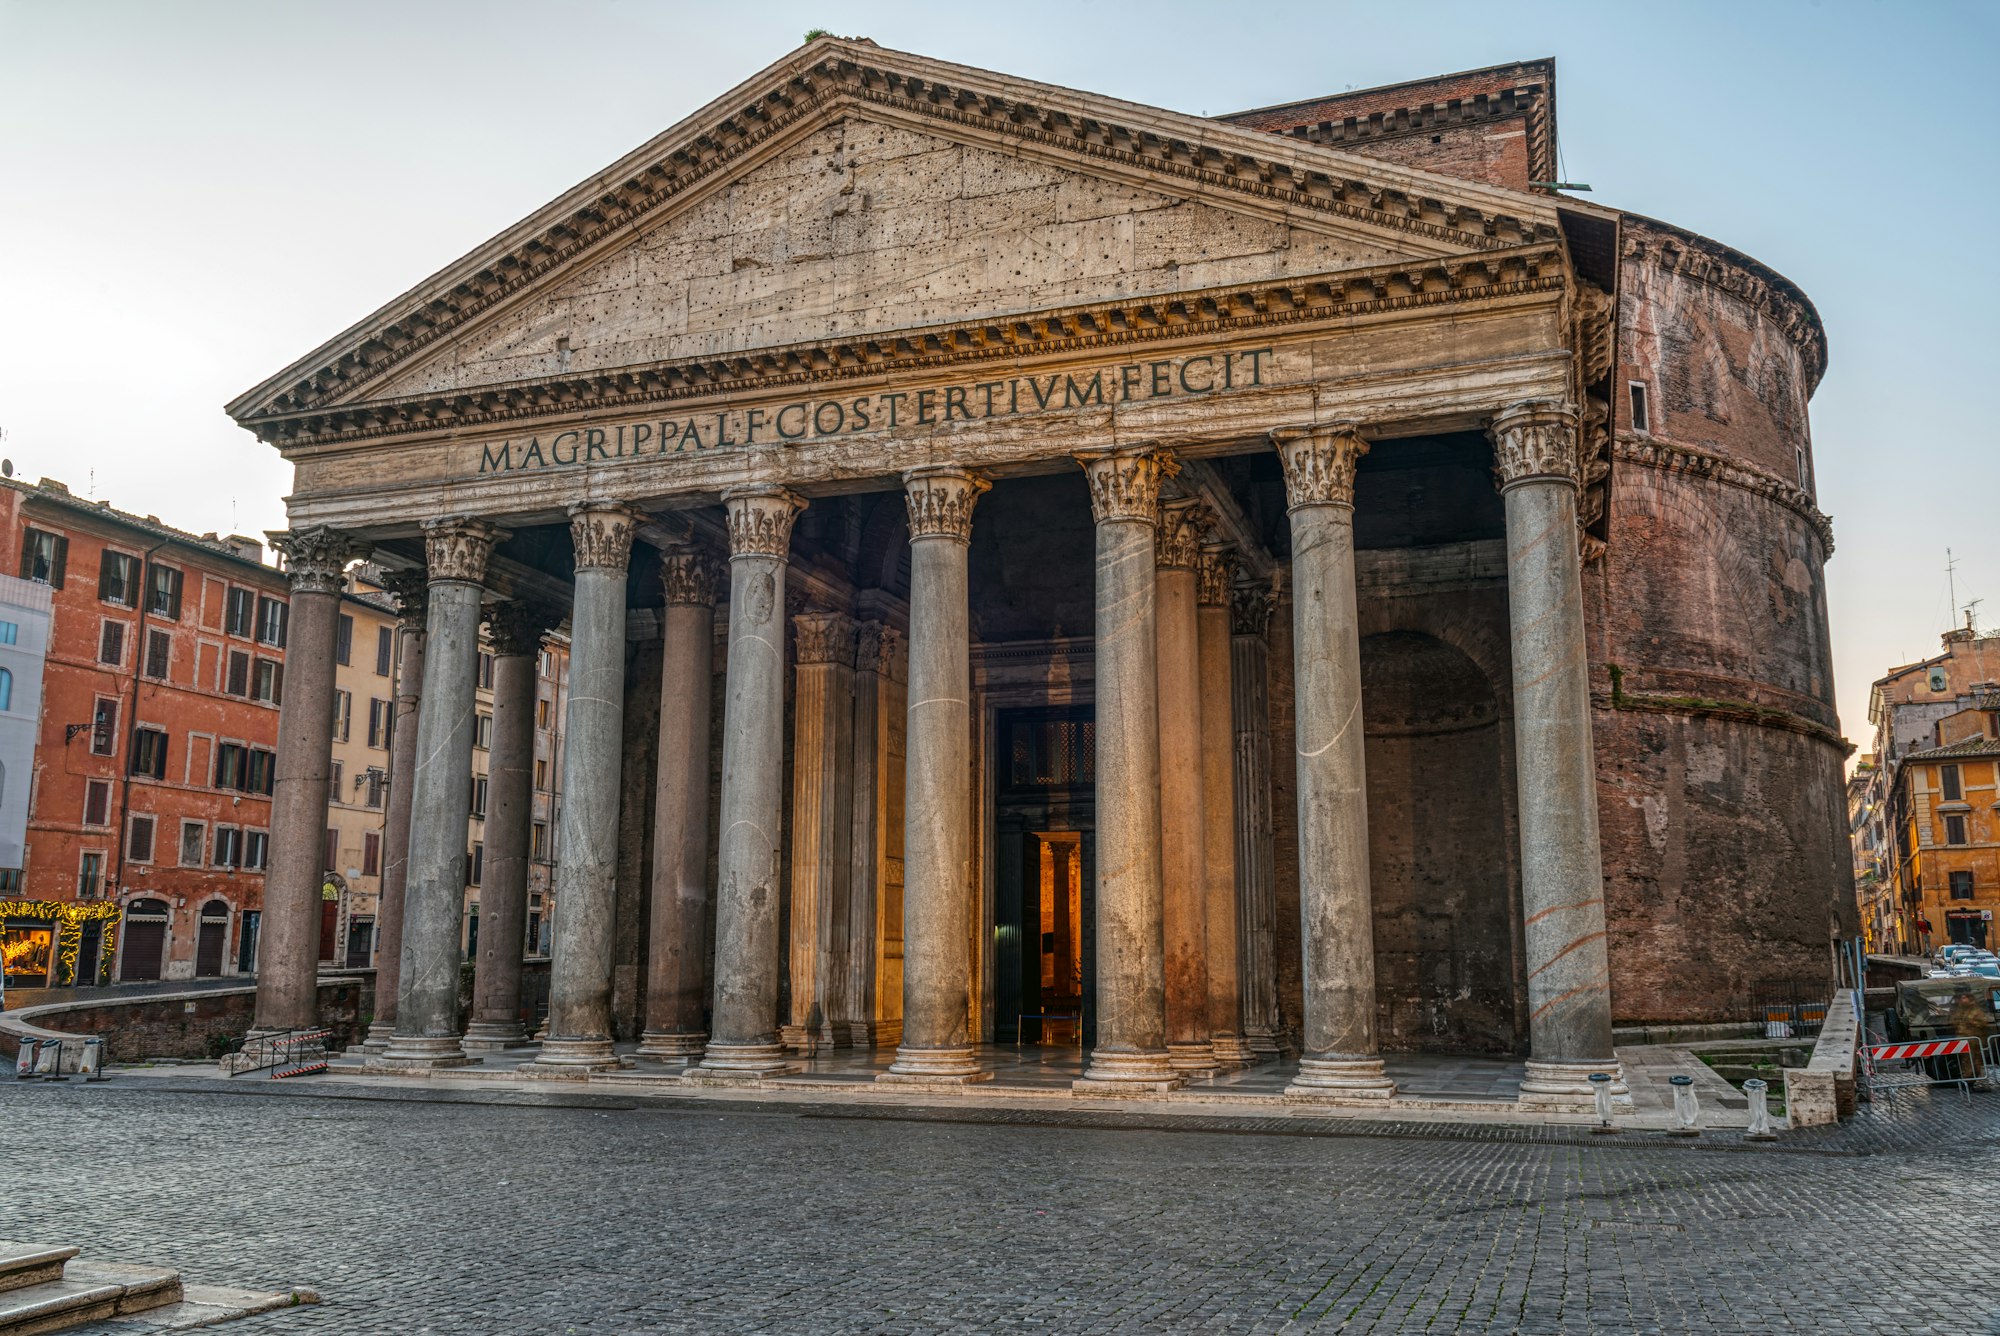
[493, 1036]
[934, 1066]
[725, 1063]
[1113, 1073]
[1193, 1061]
[1564, 1087]
[416, 1052]
[1263, 1041]
[1232, 1053]
[569, 1060]
[1341, 1080]
[671, 1046]
[378, 1037]
[803, 1040]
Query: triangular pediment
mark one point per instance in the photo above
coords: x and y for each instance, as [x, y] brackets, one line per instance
[849, 190]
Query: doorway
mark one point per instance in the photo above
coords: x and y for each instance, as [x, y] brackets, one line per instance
[211, 937]
[145, 941]
[1044, 882]
[1967, 927]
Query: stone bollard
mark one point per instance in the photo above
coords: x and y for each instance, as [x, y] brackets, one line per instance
[1600, 1090]
[24, 1061]
[48, 1062]
[91, 1068]
[1760, 1112]
[1687, 1111]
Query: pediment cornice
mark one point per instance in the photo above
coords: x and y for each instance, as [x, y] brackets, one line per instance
[1239, 309]
[829, 77]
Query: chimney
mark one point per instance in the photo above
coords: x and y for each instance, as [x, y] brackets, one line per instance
[250, 549]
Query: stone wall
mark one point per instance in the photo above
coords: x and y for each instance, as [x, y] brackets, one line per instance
[178, 1025]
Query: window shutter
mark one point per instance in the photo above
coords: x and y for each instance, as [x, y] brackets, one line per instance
[62, 562]
[278, 684]
[174, 594]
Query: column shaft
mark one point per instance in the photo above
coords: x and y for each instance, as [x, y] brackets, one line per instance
[822, 829]
[579, 1033]
[938, 897]
[503, 897]
[288, 952]
[408, 587]
[1218, 809]
[434, 894]
[1183, 850]
[1562, 880]
[874, 672]
[1256, 882]
[1341, 1060]
[745, 1040]
[677, 955]
[1131, 1050]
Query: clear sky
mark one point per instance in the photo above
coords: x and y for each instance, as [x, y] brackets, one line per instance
[192, 195]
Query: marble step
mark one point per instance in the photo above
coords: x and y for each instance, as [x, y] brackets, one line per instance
[88, 1292]
[30, 1264]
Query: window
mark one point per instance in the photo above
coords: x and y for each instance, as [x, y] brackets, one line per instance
[256, 850]
[377, 787]
[139, 840]
[238, 681]
[538, 843]
[343, 641]
[1950, 780]
[10, 633]
[332, 849]
[241, 607]
[343, 714]
[269, 683]
[163, 592]
[246, 769]
[542, 775]
[97, 802]
[194, 838]
[385, 648]
[371, 854]
[1961, 885]
[263, 770]
[1805, 471]
[104, 728]
[378, 723]
[43, 557]
[1954, 830]
[6, 689]
[118, 579]
[541, 714]
[149, 752]
[89, 875]
[485, 670]
[159, 654]
[111, 643]
[271, 621]
[334, 782]
[482, 731]
[476, 868]
[228, 846]
[478, 797]
[1641, 420]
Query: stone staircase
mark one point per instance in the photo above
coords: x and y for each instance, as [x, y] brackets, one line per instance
[47, 1289]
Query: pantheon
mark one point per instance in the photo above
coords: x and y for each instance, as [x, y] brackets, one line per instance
[1291, 586]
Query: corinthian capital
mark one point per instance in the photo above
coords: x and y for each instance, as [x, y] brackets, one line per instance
[1213, 571]
[1534, 440]
[1319, 463]
[408, 587]
[941, 501]
[760, 521]
[1177, 544]
[602, 536]
[315, 558]
[458, 548]
[1250, 608]
[878, 649]
[1125, 482]
[687, 578]
[515, 628]
[823, 637]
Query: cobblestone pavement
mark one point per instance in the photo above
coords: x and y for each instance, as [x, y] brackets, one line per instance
[415, 1211]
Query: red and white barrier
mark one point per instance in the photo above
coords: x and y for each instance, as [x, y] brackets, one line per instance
[1930, 1048]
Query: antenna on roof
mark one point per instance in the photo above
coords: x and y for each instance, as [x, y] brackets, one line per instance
[1970, 609]
[1951, 579]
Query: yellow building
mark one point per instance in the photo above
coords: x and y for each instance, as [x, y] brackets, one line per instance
[358, 798]
[551, 691]
[1946, 806]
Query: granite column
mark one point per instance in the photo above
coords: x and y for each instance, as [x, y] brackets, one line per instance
[516, 634]
[745, 1039]
[1131, 1050]
[822, 828]
[1562, 879]
[877, 655]
[1341, 1061]
[1256, 881]
[677, 939]
[579, 1029]
[1183, 855]
[937, 1043]
[407, 587]
[288, 953]
[427, 1032]
[1220, 929]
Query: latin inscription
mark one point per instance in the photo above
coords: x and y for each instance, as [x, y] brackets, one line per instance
[821, 419]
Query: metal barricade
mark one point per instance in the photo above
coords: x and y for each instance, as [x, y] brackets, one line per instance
[1915, 1063]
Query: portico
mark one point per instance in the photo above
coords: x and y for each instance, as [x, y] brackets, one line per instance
[1169, 607]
